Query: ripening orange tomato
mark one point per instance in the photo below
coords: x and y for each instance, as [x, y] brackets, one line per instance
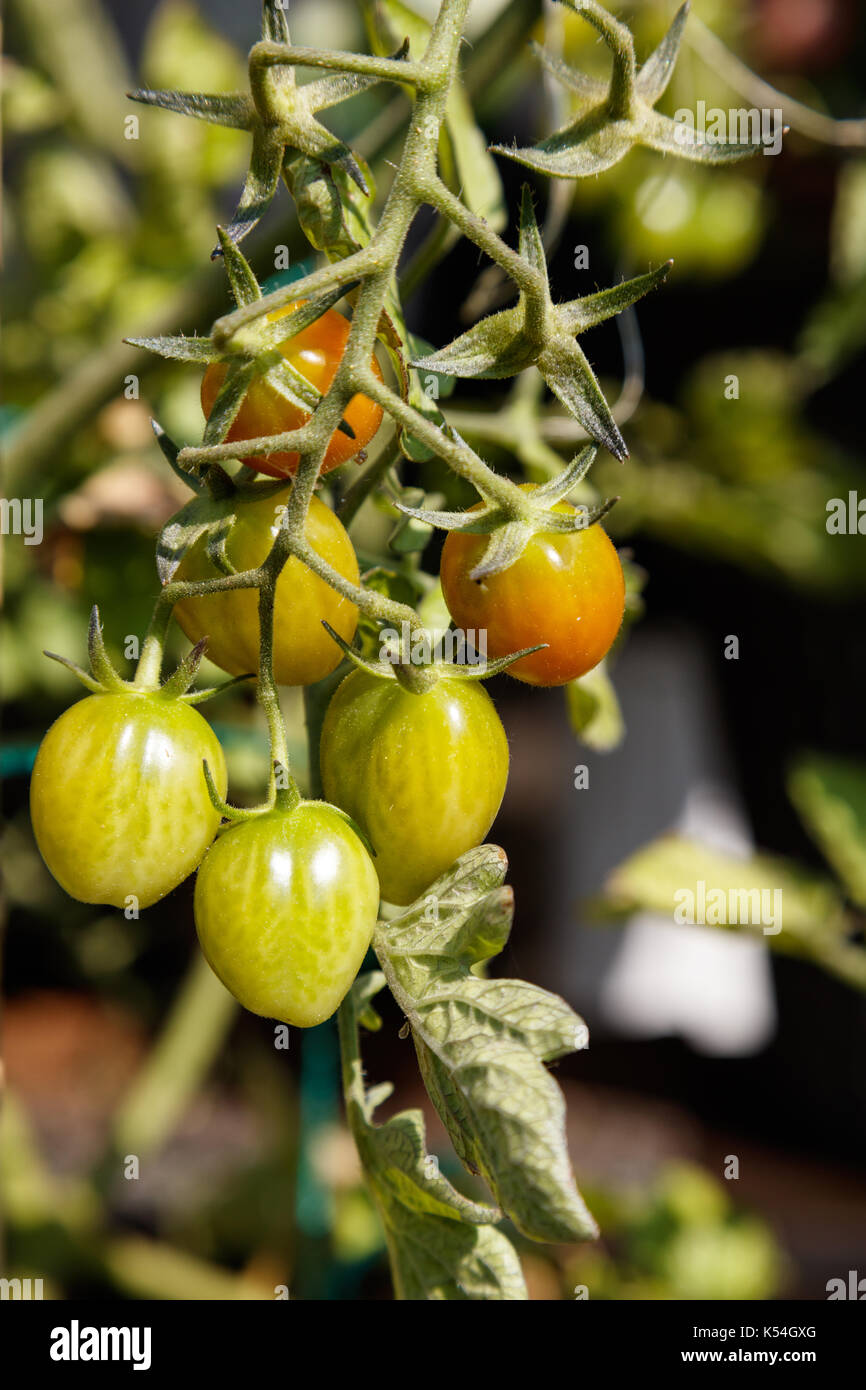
[315, 352]
[566, 589]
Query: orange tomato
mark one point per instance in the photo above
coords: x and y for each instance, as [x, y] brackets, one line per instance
[566, 589]
[315, 352]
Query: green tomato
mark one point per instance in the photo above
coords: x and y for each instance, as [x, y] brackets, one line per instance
[710, 223]
[118, 799]
[285, 907]
[423, 775]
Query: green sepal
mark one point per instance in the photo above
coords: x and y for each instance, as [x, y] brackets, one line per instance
[86, 680]
[182, 678]
[505, 343]
[179, 348]
[618, 116]
[244, 285]
[235, 111]
[260, 185]
[103, 671]
[182, 530]
[197, 697]
[239, 375]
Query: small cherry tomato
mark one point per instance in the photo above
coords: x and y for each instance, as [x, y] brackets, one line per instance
[423, 775]
[118, 799]
[303, 652]
[566, 589]
[315, 352]
[285, 907]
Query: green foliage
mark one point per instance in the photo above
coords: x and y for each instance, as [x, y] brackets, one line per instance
[106, 238]
[482, 1045]
[442, 1245]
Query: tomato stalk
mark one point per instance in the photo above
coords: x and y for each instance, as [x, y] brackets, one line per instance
[283, 787]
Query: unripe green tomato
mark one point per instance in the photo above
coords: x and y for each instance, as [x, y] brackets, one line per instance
[423, 775]
[285, 907]
[118, 798]
[303, 651]
[710, 224]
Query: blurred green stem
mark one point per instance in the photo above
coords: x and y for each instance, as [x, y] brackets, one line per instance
[192, 1035]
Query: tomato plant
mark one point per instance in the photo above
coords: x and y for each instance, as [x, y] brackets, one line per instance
[302, 651]
[315, 352]
[566, 589]
[118, 801]
[129, 786]
[423, 774]
[285, 907]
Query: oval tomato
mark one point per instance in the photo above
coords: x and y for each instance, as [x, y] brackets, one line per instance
[710, 226]
[315, 352]
[423, 775]
[303, 651]
[118, 798]
[285, 906]
[566, 589]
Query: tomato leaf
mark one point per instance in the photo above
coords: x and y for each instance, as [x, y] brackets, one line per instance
[482, 1045]
[594, 712]
[813, 919]
[442, 1245]
[200, 515]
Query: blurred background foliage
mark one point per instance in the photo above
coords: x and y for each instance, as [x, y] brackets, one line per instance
[248, 1179]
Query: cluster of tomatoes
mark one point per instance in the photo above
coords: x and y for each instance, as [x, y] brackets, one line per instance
[286, 899]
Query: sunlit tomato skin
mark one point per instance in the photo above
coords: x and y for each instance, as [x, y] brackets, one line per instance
[566, 589]
[118, 799]
[423, 775]
[315, 352]
[285, 906]
[303, 651]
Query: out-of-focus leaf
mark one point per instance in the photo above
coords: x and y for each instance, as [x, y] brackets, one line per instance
[657, 878]
[475, 175]
[30, 103]
[848, 253]
[182, 50]
[594, 712]
[830, 795]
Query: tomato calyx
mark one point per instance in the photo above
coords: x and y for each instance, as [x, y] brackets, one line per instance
[103, 679]
[420, 675]
[249, 354]
[511, 526]
[279, 115]
[284, 800]
[538, 332]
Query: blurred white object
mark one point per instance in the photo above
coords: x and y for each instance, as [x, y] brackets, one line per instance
[714, 989]
[656, 978]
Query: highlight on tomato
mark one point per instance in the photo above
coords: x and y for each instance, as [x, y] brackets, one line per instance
[315, 352]
[118, 799]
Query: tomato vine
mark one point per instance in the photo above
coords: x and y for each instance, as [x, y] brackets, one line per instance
[482, 1044]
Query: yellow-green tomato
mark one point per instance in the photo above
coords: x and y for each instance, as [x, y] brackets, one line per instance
[423, 775]
[118, 799]
[303, 651]
[285, 906]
